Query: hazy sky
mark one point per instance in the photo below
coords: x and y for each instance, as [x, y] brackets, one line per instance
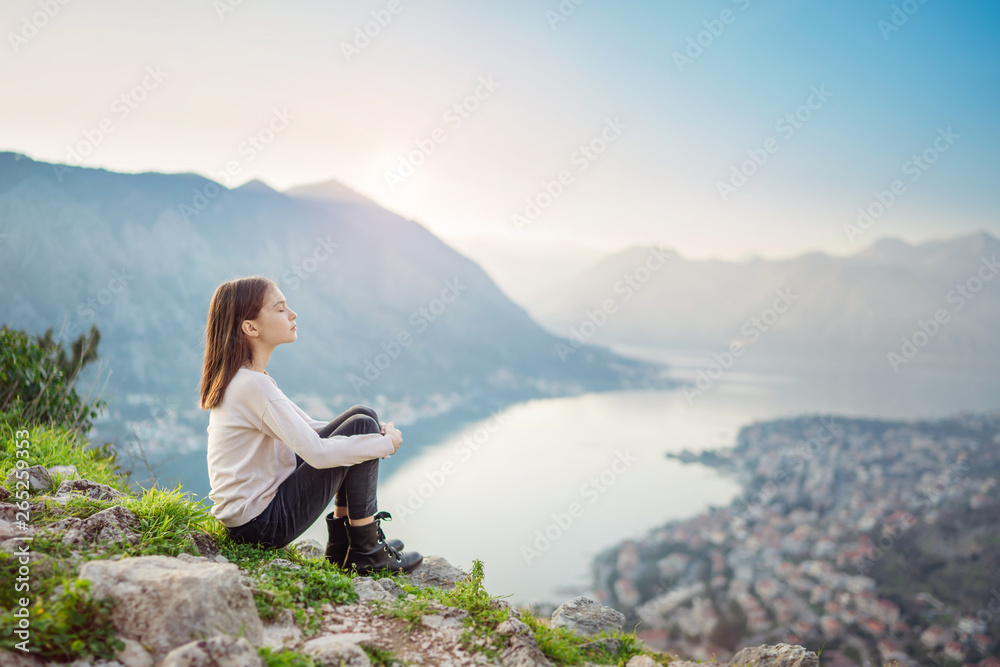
[886, 80]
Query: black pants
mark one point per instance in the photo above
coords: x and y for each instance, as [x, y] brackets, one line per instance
[307, 492]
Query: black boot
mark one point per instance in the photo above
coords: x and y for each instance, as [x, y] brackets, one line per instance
[369, 550]
[338, 542]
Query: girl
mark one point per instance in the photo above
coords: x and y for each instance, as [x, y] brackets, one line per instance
[273, 469]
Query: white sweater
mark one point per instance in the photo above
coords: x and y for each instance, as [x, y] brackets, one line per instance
[253, 437]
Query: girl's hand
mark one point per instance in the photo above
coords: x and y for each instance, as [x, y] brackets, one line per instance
[393, 432]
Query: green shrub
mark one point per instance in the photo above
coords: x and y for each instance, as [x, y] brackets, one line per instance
[36, 378]
[67, 625]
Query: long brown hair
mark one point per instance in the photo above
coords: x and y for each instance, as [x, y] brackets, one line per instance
[226, 346]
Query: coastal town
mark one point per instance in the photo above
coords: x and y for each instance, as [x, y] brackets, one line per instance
[875, 542]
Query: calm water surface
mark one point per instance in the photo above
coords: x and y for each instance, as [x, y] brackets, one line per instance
[540, 488]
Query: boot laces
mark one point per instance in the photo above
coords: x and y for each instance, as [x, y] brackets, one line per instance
[381, 536]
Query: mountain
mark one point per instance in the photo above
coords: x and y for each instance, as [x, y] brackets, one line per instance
[140, 255]
[855, 309]
[331, 190]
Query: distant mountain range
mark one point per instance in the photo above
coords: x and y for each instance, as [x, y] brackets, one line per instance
[141, 254]
[838, 310]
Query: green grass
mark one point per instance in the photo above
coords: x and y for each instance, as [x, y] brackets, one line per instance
[303, 590]
[379, 657]
[57, 445]
[480, 634]
[564, 647]
[166, 518]
[274, 658]
[69, 624]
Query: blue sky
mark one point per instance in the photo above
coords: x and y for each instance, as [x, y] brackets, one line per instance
[658, 179]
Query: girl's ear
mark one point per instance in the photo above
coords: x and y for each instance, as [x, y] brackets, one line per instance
[248, 328]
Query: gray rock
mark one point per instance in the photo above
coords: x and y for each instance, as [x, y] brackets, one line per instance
[390, 587]
[587, 617]
[204, 543]
[84, 662]
[522, 651]
[9, 511]
[442, 617]
[367, 590]
[339, 650]
[64, 471]
[85, 487]
[513, 626]
[114, 524]
[284, 563]
[500, 603]
[188, 558]
[283, 632]
[436, 571]
[10, 530]
[222, 651]
[777, 655]
[164, 603]
[644, 661]
[310, 548]
[38, 478]
[134, 655]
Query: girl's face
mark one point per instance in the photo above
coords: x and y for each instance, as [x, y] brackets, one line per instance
[275, 323]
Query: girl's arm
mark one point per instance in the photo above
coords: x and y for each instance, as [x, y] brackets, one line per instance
[282, 421]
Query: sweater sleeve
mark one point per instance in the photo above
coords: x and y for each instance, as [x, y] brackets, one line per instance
[281, 421]
[313, 423]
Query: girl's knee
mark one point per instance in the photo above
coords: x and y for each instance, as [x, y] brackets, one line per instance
[363, 424]
[363, 410]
